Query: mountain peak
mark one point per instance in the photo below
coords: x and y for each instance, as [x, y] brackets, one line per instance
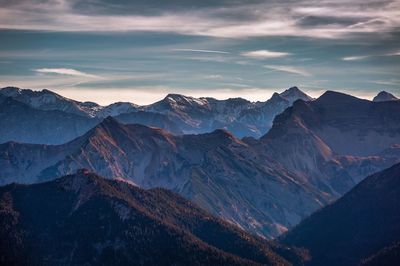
[294, 93]
[385, 96]
[175, 97]
[48, 91]
[220, 136]
[111, 130]
[334, 97]
[293, 89]
[109, 120]
[276, 96]
[116, 109]
[10, 91]
[109, 124]
[180, 99]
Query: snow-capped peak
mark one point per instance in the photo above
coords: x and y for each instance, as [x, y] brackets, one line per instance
[182, 100]
[117, 109]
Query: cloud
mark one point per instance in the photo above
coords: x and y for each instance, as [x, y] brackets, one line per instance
[214, 77]
[239, 85]
[137, 94]
[239, 20]
[394, 54]
[261, 54]
[289, 69]
[355, 58]
[65, 71]
[390, 82]
[362, 57]
[201, 51]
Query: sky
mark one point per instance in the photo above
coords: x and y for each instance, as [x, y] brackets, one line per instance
[139, 51]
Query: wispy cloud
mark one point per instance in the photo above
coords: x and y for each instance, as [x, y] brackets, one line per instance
[65, 71]
[394, 54]
[201, 51]
[239, 20]
[390, 82]
[289, 69]
[214, 77]
[262, 54]
[355, 58]
[362, 57]
[239, 85]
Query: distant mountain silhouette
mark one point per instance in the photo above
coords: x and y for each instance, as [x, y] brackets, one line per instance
[175, 113]
[22, 123]
[357, 226]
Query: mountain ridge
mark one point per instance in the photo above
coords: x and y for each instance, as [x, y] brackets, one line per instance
[164, 228]
[315, 140]
[200, 167]
[350, 229]
[178, 113]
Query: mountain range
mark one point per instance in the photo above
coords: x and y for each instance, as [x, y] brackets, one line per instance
[21, 122]
[175, 113]
[325, 143]
[314, 153]
[84, 219]
[199, 181]
[216, 170]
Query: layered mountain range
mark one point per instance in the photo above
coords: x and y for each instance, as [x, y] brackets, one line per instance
[216, 170]
[84, 219]
[361, 227]
[314, 153]
[336, 140]
[40, 111]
